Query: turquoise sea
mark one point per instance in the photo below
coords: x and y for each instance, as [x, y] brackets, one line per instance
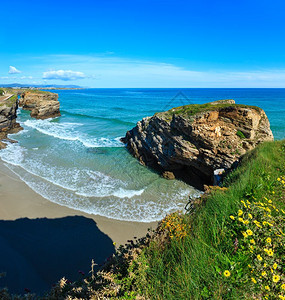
[77, 159]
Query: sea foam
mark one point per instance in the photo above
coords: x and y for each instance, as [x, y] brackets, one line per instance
[121, 209]
[68, 131]
[83, 182]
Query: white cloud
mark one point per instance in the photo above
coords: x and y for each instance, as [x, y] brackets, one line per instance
[102, 70]
[13, 70]
[111, 71]
[27, 77]
[63, 75]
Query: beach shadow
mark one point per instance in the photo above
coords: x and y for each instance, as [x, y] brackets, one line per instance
[36, 253]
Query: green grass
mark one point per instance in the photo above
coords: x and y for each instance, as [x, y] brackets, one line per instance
[191, 268]
[240, 134]
[22, 90]
[34, 91]
[192, 109]
[10, 102]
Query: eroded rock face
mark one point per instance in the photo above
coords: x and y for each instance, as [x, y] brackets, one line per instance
[8, 122]
[193, 141]
[42, 105]
[8, 116]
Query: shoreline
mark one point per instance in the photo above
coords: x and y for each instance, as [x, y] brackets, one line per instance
[18, 200]
[42, 241]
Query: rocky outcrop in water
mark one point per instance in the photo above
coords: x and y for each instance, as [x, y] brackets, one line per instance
[194, 141]
[42, 105]
[8, 115]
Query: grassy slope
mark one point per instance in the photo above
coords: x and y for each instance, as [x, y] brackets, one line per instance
[191, 268]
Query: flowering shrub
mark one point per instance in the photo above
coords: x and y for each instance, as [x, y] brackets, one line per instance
[258, 230]
[175, 225]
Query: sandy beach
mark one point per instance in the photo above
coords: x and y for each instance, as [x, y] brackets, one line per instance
[42, 241]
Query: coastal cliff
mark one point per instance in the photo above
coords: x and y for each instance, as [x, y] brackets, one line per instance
[42, 105]
[8, 115]
[194, 142]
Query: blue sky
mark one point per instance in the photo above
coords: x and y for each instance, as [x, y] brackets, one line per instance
[142, 43]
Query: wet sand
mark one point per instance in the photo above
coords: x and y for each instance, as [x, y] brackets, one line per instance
[42, 241]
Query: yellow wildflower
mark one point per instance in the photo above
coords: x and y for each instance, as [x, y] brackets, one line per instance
[264, 265]
[253, 280]
[263, 273]
[246, 222]
[279, 179]
[240, 212]
[275, 266]
[232, 217]
[250, 216]
[259, 257]
[270, 252]
[268, 240]
[252, 241]
[227, 273]
[267, 288]
[249, 232]
[244, 234]
[275, 278]
[240, 219]
[283, 286]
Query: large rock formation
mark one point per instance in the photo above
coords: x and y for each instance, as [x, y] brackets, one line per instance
[8, 115]
[42, 105]
[194, 141]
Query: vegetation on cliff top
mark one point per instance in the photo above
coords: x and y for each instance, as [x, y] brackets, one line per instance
[193, 109]
[36, 91]
[230, 244]
[9, 102]
[24, 90]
